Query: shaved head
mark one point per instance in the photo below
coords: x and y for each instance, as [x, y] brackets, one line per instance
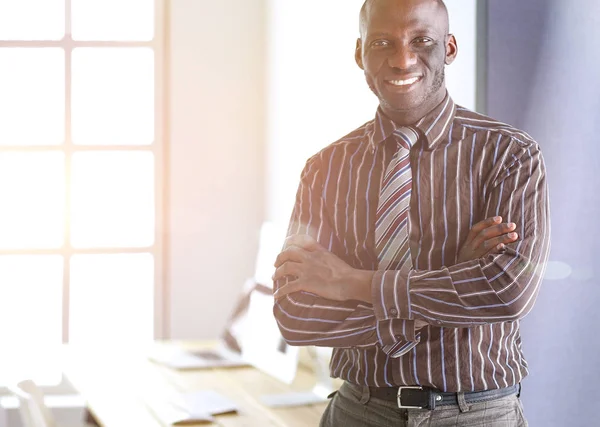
[368, 4]
[403, 49]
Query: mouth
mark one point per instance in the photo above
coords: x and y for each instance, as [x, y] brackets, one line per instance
[404, 84]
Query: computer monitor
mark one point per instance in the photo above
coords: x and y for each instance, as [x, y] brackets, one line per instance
[271, 239]
[261, 341]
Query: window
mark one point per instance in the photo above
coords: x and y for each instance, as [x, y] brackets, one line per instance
[81, 178]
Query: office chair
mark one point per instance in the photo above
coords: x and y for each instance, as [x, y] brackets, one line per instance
[33, 410]
[34, 413]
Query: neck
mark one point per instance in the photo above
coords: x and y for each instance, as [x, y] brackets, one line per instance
[412, 116]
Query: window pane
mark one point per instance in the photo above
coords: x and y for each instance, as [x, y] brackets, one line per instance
[112, 199]
[113, 20]
[31, 317]
[32, 19]
[112, 299]
[113, 96]
[32, 100]
[32, 191]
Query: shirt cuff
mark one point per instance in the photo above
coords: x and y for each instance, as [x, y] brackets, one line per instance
[391, 331]
[401, 347]
[391, 296]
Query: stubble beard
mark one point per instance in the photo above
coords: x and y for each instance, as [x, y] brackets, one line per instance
[438, 82]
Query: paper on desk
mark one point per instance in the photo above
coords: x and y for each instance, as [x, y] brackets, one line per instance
[197, 359]
[196, 407]
[286, 400]
[170, 414]
[208, 401]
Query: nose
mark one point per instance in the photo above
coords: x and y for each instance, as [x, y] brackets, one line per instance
[402, 58]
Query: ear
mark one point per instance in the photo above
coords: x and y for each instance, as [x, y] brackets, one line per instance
[451, 49]
[358, 54]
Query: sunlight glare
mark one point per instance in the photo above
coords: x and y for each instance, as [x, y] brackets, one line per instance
[32, 19]
[113, 96]
[112, 299]
[113, 20]
[112, 199]
[31, 316]
[32, 190]
[32, 96]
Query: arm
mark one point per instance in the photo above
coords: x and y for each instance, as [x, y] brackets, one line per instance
[496, 288]
[308, 319]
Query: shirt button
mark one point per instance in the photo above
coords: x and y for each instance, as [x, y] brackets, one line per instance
[393, 311]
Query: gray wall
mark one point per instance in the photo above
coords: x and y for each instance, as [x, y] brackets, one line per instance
[543, 61]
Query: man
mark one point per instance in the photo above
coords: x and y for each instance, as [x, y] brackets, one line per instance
[417, 242]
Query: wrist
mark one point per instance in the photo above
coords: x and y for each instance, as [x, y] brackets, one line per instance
[361, 285]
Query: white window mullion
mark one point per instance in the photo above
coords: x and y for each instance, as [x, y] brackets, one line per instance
[66, 300]
[140, 261]
[161, 122]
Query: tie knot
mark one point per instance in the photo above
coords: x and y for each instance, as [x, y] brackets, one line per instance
[407, 136]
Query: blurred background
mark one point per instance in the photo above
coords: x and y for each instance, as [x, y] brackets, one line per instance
[143, 143]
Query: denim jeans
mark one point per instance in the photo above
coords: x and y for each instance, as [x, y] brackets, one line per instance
[352, 406]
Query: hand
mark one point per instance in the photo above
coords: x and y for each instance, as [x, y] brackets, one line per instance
[311, 268]
[487, 237]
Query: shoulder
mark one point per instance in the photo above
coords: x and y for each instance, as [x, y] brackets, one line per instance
[336, 152]
[497, 130]
[510, 148]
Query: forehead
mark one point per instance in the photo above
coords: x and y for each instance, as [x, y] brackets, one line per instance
[405, 15]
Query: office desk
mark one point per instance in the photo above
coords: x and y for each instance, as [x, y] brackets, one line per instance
[124, 389]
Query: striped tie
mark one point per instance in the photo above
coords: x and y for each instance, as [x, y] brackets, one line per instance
[391, 227]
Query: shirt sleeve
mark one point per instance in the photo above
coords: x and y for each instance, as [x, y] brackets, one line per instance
[498, 288]
[308, 319]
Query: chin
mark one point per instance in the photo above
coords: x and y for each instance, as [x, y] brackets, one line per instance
[402, 106]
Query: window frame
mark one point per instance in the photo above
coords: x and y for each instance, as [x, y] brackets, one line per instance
[159, 45]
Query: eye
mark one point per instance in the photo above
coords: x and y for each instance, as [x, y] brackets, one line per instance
[423, 40]
[380, 43]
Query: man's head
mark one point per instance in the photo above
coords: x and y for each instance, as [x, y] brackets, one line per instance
[403, 49]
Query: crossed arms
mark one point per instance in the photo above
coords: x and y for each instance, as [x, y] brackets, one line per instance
[323, 301]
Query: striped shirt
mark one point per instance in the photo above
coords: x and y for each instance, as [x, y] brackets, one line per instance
[466, 167]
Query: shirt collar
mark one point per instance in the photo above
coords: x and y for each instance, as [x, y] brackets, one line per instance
[434, 125]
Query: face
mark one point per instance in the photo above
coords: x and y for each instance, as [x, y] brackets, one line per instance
[403, 51]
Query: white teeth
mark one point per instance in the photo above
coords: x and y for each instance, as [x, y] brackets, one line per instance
[404, 82]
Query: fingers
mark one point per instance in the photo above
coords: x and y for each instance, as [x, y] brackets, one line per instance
[487, 237]
[496, 250]
[481, 226]
[303, 241]
[290, 254]
[290, 262]
[500, 240]
[494, 231]
[290, 288]
[496, 245]
[297, 248]
[287, 269]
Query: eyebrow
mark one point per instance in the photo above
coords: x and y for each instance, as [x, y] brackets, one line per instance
[428, 30]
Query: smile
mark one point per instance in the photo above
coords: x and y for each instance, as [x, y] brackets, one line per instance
[401, 83]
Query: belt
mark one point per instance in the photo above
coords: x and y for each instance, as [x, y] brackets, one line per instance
[414, 397]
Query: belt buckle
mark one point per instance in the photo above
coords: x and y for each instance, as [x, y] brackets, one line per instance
[400, 397]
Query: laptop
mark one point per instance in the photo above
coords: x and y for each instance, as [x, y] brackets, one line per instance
[227, 352]
[176, 358]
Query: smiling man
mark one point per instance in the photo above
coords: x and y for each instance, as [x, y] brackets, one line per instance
[408, 86]
[417, 243]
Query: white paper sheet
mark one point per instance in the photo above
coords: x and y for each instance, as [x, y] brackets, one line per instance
[288, 400]
[181, 359]
[193, 408]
